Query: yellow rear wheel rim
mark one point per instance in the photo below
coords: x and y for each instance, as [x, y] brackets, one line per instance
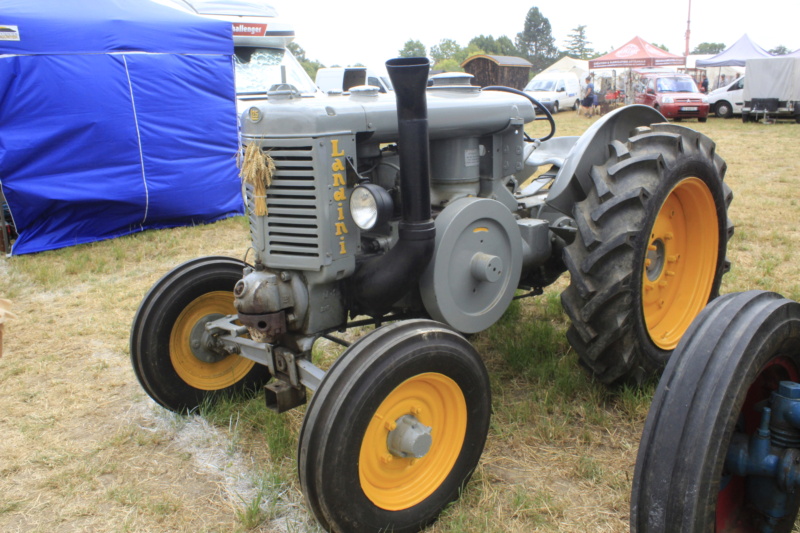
[680, 262]
[395, 483]
[193, 371]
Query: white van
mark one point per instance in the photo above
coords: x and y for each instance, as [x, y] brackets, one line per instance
[341, 79]
[556, 90]
[260, 39]
[729, 100]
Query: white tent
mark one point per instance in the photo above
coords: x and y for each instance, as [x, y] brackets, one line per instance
[567, 64]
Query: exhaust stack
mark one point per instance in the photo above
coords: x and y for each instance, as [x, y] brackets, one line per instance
[381, 281]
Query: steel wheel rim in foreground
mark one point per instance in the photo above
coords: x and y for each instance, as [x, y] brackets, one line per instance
[395, 483]
[680, 262]
[193, 371]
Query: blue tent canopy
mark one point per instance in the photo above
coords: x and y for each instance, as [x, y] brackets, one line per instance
[118, 116]
[735, 55]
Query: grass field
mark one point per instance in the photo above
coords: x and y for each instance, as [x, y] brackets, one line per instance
[84, 449]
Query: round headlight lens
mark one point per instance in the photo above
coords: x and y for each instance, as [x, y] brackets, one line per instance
[363, 208]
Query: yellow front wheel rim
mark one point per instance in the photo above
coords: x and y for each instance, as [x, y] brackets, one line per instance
[681, 261]
[193, 371]
[396, 483]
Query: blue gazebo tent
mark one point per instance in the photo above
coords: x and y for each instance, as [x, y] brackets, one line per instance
[117, 116]
[735, 55]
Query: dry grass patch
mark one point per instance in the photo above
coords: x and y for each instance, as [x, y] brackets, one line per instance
[84, 449]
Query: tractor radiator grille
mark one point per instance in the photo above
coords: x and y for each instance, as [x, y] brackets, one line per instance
[289, 236]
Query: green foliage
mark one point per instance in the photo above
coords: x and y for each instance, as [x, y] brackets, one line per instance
[536, 41]
[310, 66]
[448, 65]
[709, 48]
[413, 48]
[663, 47]
[779, 50]
[502, 46]
[578, 46]
[446, 49]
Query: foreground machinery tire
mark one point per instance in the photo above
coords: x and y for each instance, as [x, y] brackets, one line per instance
[650, 251]
[413, 388]
[170, 352]
[711, 398]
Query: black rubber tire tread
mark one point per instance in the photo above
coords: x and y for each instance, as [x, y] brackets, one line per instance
[719, 109]
[152, 325]
[340, 410]
[606, 258]
[696, 406]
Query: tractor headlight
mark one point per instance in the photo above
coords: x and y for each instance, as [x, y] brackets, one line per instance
[370, 205]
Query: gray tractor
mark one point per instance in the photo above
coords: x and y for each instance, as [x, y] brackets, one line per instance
[425, 213]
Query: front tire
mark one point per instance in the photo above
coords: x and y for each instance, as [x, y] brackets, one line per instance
[555, 107]
[412, 372]
[710, 397]
[650, 251]
[172, 358]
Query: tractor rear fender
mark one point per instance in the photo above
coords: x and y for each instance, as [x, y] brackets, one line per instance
[573, 180]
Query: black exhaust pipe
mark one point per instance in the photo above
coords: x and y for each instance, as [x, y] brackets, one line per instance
[381, 281]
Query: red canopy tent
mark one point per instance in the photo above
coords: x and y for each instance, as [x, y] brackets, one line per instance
[637, 53]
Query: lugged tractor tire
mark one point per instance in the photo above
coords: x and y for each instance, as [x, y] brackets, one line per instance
[649, 253]
[351, 478]
[714, 388]
[167, 335]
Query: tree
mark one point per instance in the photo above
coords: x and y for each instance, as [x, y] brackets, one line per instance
[708, 48]
[536, 41]
[662, 46]
[577, 46]
[506, 47]
[502, 46]
[448, 65]
[311, 67]
[446, 49]
[413, 48]
[297, 51]
[469, 51]
[779, 50]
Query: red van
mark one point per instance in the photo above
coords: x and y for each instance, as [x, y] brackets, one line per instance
[674, 95]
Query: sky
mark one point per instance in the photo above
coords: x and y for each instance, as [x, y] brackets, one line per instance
[357, 31]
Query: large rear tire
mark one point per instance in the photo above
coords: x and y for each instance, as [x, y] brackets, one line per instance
[650, 251]
[710, 396]
[416, 373]
[172, 357]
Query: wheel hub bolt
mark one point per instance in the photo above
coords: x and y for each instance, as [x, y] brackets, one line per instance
[410, 438]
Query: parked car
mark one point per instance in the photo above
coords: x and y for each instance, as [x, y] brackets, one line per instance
[728, 101]
[556, 90]
[674, 95]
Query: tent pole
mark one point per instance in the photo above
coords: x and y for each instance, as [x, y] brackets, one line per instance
[688, 29]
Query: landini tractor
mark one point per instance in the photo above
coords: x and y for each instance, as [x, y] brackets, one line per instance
[424, 213]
